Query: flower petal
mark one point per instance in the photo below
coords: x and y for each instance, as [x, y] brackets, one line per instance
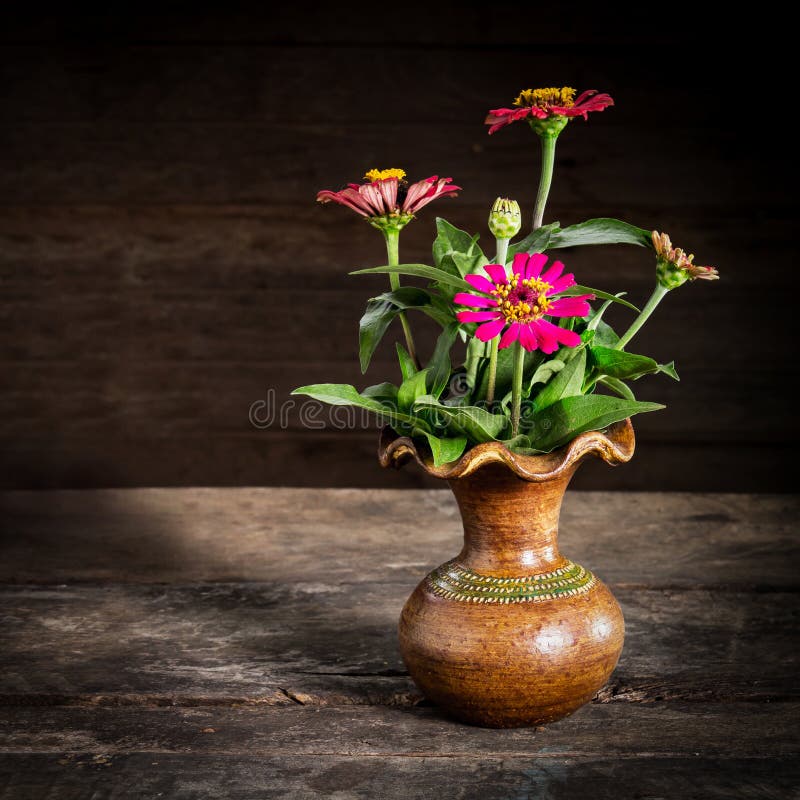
[535, 264]
[519, 264]
[564, 282]
[552, 274]
[510, 336]
[477, 316]
[497, 273]
[547, 341]
[568, 338]
[527, 337]
[479, 282]
[489, 329]
[474, 300]
[570, 306]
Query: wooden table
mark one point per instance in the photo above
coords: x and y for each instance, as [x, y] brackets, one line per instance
[240, 643]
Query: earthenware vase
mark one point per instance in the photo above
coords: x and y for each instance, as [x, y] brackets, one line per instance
[510, 632]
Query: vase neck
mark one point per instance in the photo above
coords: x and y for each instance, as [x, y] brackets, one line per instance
[510, 525]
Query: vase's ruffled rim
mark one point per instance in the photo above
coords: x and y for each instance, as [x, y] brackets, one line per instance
[615, 445]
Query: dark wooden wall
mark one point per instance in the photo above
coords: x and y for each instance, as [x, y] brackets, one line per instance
[164, 265]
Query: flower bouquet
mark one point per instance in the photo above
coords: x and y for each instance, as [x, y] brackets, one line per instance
[541, 365]
[509, 632]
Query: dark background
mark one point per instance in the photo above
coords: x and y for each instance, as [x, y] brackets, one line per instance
[164, 265]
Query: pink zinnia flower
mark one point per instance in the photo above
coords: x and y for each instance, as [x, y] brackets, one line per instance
[545, 103]
[386, 198]
[519, 303]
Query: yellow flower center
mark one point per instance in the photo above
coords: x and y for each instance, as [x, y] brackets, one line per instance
[546, 98]
[522, 300]
[382, 174]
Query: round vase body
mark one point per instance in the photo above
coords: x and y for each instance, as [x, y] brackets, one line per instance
[510, 633]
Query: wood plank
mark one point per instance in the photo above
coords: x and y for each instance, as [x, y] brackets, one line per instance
[103, 397]
[157, 163]
[336, 459]
[321, 643]
[191, 247]
[751, 730]
[235, 535]
[473, 777]
[206, 82]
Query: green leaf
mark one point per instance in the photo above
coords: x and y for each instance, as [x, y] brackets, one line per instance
[568, 382]
[535, 242]
[627, 366]
[469, 264]
[382, 392]
[618, 387]
[605, 335]
[418, 271]
[600, 231]
[411, 388]
[570, 416]
[439, 364]
[343, 394]
[445, 449]
[519, 444]
[546, 371]
[407, 366]
[477, 423]
[476, 351]
[614, 298]
[451, 240]
[381, 310]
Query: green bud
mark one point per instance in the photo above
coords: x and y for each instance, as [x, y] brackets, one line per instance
[504, 218]
[549, 127]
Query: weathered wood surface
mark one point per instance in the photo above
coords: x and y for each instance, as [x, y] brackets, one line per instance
[158, 229]
[242, 643]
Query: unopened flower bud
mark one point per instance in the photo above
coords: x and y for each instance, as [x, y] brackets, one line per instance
[674, 267]
[504, 218]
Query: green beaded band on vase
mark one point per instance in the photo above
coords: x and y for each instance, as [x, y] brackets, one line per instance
[453, 582]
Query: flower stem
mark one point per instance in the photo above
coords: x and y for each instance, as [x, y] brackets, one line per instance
[548, 159]
[500, 258]
[393, 259]
[659, 293]
[516, 388]
[492, 371]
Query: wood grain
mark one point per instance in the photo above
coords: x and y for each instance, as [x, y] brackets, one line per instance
[157, 189]
[194, 643]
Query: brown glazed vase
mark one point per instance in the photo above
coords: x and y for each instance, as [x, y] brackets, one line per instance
[510, 632]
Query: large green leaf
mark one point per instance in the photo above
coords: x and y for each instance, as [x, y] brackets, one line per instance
[343, 394]
[445, 448]
[567, 383]
[418, 271]
[382, 392]
[411, 388]
[381, 310]
[564, 420]
[544, 372]
[535, 242]
[627, 366]
[439, 364]
[451, 240]
[600, 231]
[477, 423]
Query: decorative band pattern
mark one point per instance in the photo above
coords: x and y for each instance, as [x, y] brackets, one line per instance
[453, 582]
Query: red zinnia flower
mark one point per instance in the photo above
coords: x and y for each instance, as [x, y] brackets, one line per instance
[386, 199]
[519, 303]
[546, 103]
